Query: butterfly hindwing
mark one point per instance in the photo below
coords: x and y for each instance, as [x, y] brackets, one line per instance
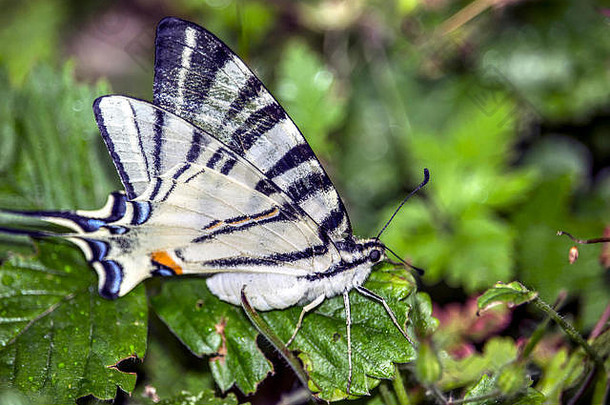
[200, 79]
[193, 213]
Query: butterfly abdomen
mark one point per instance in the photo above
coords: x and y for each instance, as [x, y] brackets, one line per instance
[269, 291]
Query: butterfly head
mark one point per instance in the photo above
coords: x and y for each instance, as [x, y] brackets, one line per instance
[374, 251]
[369, 251]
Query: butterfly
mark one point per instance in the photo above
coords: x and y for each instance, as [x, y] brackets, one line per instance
[218, 182]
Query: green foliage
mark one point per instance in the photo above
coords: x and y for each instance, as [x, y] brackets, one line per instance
[170, 370]
[53, 157]
[470, 182]
[427, 366]
[208, 326]
[561, 371]
[486, 393]
[462, 372]
[542, 66]
[309, 94]
[561, 164]
[29, 34]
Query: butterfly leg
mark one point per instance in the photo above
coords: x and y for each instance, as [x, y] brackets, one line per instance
[371, 295]
[348, 325]
[307, 308]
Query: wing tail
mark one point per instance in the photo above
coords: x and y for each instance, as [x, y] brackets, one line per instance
[102, 237]
[81, 221]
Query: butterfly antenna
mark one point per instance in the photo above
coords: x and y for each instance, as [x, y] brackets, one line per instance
[417, 269]
[422, 184]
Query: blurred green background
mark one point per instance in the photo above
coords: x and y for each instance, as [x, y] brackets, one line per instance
[506, 102]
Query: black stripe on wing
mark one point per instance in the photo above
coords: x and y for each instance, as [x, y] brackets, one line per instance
[276, 259]
[257, 124]
[179, 81]
[116, 158]
[291, 159]
[249, 91]
[245, 222]
[158, 139]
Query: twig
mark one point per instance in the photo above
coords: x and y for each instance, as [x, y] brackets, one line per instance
[569, 330]
[539, 332]
[583, 241]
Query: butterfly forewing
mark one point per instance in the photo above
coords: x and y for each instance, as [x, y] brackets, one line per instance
[200, 79]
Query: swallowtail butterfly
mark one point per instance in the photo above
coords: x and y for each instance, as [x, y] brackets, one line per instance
[220, 182]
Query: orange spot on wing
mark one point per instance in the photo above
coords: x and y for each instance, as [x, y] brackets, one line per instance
[268, 215]
[214, 226]
[163, 258]
[239, 222]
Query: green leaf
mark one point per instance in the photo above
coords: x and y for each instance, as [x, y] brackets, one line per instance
[208, 326]
[498, 352]
[484, 387]
[57, 161]
[541, 254]
[511, 294]
[559, 74]
[512, 378]
[487, 391]
[531, 397]
[423, 322]
[457, 235]
[13, 397]
[59, 340]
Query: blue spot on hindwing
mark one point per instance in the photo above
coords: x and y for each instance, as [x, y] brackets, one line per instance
[119, 207]
[114, 277]
[163, 272]
[98, 249]
[141, 212]
[90, 224]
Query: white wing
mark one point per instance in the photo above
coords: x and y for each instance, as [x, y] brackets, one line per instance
[198, 78]
[193, 217]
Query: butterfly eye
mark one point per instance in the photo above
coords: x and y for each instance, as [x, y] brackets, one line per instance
[374, 255]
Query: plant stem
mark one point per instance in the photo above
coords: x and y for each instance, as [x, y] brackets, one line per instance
[569, 330]
[399, 388]
[541, 329]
